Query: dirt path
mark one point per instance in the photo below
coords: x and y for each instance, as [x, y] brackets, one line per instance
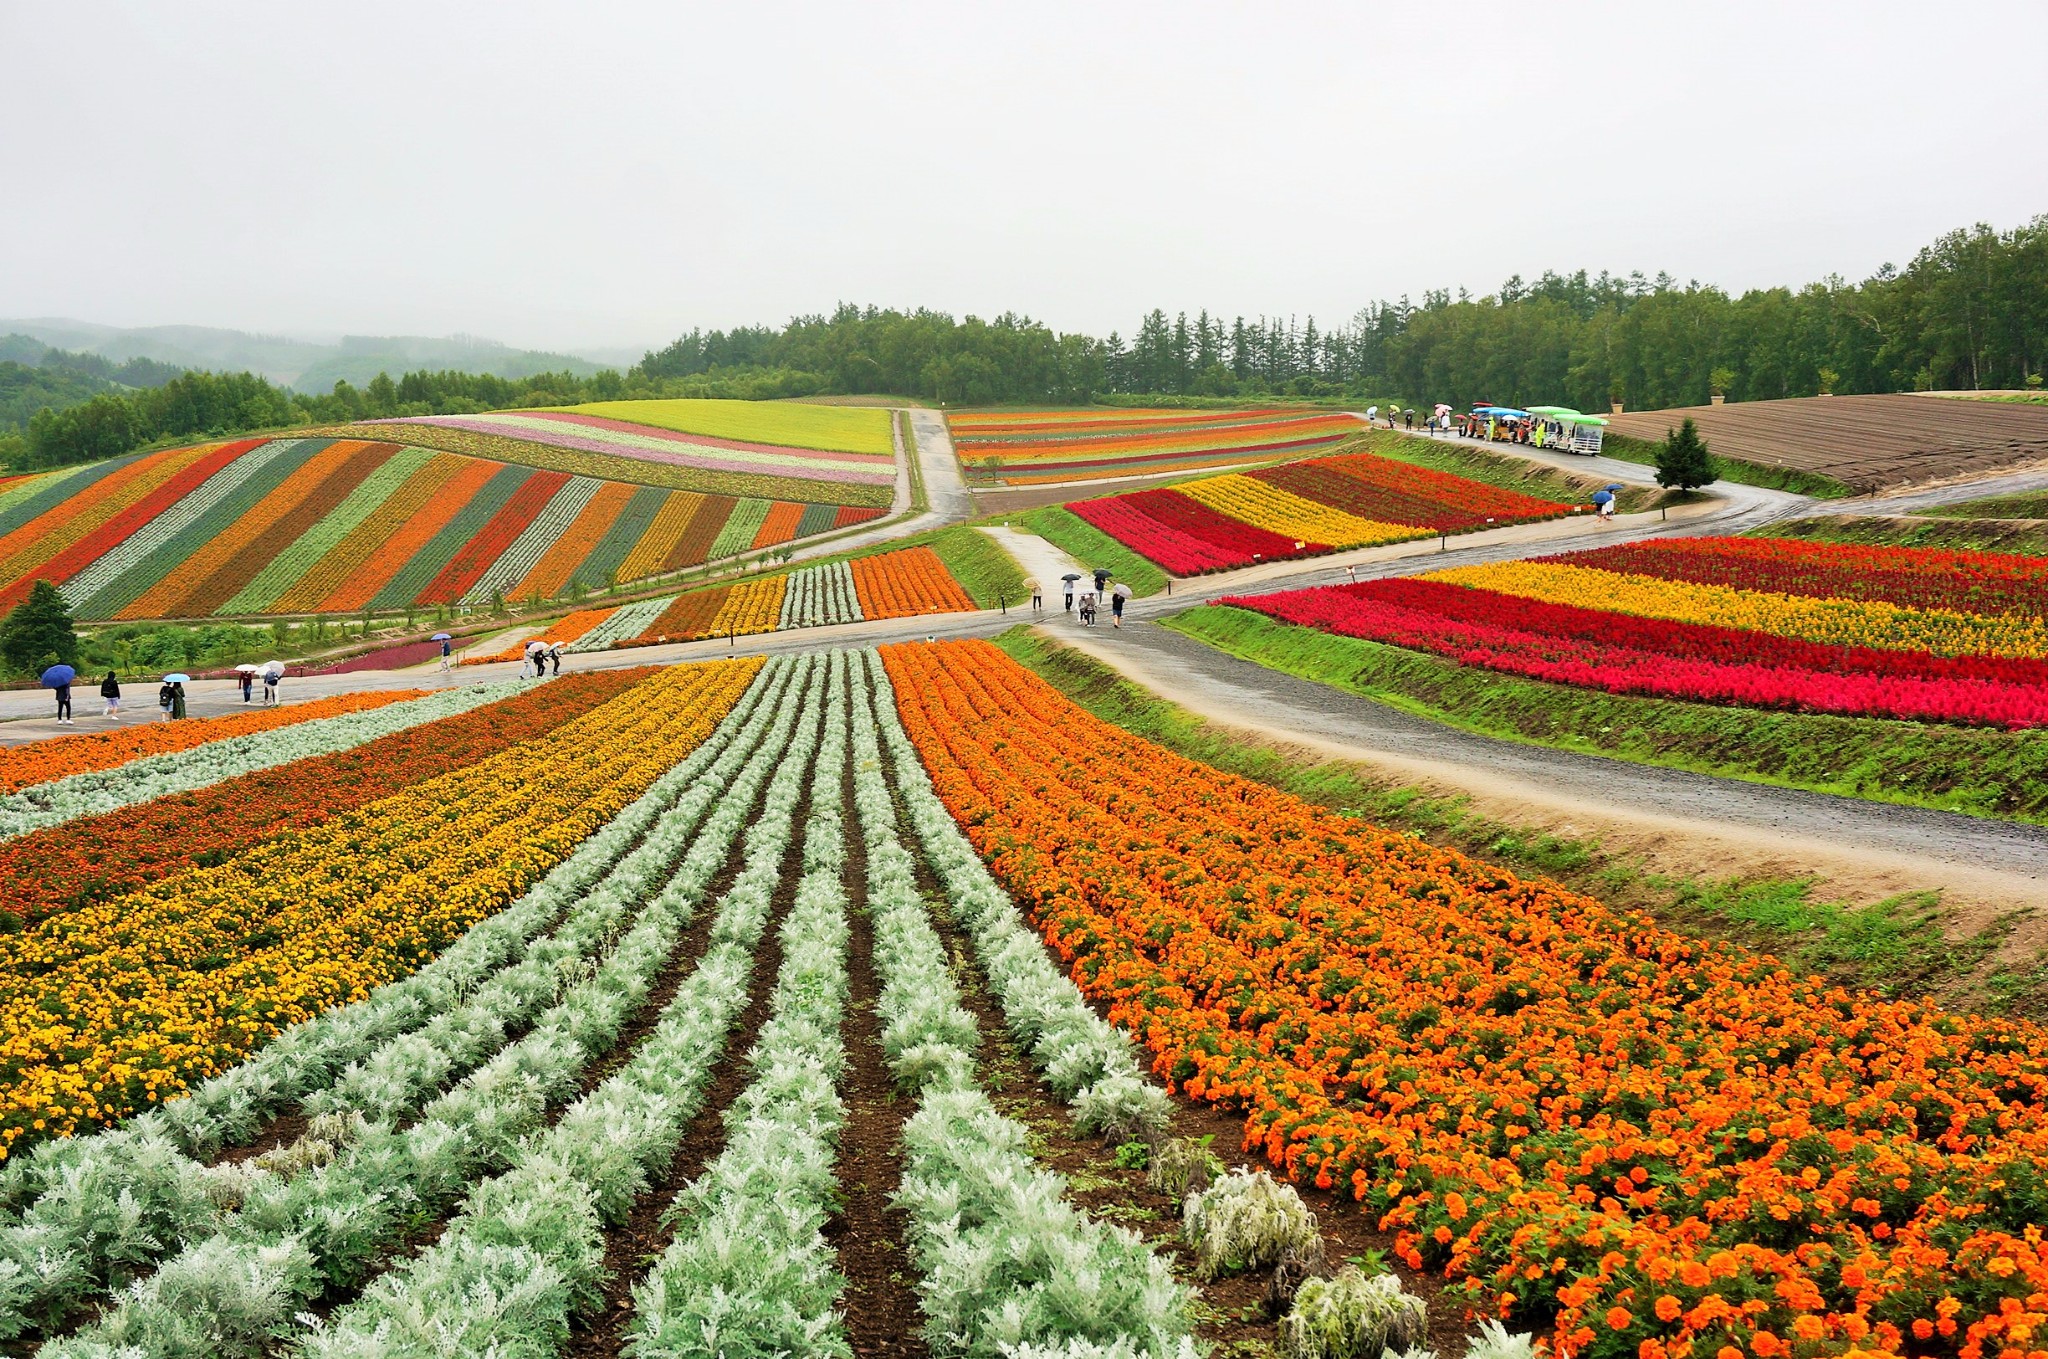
[1675, 821]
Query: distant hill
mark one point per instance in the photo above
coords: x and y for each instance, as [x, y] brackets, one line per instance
[302, 364]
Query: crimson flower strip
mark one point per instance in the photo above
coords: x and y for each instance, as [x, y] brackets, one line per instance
[1393, 492]
[62, 868]
[1657, 1146]
[1591, 648]
[1184, 535]
[1925, 578]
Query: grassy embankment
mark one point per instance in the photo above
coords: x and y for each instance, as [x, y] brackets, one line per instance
[1814, 484]
[1899, 946]
[2025, 537]
[1975, 770]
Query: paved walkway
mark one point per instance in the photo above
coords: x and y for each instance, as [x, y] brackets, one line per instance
[1041, 561]
[1729, 823]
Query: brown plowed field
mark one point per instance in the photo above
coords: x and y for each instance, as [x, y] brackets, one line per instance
[1866, 442]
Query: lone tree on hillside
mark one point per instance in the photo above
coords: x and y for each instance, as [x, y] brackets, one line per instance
[39, 632]
[1682, 459]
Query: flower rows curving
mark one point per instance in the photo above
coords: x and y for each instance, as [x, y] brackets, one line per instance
[43, 761]
[113, 1007]
[1656, 1146]
[1592, 648]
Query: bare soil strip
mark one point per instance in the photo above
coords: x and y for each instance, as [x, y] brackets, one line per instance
[880, 1305]
[1865, 442]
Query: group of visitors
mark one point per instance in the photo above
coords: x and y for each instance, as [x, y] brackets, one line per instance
[540, 655]
[170, 696]
[1079, 597]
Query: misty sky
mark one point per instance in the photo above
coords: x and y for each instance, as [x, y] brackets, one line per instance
[606, 175]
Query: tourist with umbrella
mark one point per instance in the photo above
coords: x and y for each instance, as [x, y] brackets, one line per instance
[1068, 580]
[273, 675]
[536, 655]
[1603, 500]
[245, 674]
[59, 677]
[171, 698]
[110, 693]
[1117, 597]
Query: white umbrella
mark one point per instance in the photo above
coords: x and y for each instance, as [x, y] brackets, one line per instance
[1122, 591]
[274, 668]
[248, 667]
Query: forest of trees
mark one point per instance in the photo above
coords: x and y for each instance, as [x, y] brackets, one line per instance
[1969, 311]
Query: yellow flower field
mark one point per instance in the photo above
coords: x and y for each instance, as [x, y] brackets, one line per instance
[1264, 505]
[108, 1008]
[753, 606]
[838, 429]
[1831, 622]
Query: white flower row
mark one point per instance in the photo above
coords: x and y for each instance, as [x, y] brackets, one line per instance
[749, 1270]
[1005, 1260]
[235, 1293]
[1089, 1063]
[505, 1276]
[130, 551]
[820, 595]
[180, 771]
[628, 620]
[290, 566]
[535, 539]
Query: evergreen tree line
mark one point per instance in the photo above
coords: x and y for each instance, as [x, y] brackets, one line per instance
[1969, 311]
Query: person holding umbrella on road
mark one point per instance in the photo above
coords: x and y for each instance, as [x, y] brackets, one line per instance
[247, 675]
[444, 639]
[273, 674]
[59, 677]
[1603, 500]
[536, 655]
[1117, 597]
[110, 693]
[1068, 581]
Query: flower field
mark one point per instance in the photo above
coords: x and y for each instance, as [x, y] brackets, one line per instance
[309, 525]
[1302, 509]
[1649, 1145]
[1023, 448]
[1883, 632]
[522, 1062]
[824, 455]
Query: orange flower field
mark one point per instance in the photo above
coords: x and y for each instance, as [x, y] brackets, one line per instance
[1651, 1145]
[906, 583]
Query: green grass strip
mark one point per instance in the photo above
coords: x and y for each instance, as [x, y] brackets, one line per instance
[989, 574]
[418, 573]
[1093, 548]
[1974, 770]
[740, 527]
[290, 566]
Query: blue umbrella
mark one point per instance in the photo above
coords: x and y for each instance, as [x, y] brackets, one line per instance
[441, 637]
[177, 677]
[58, 675]
[1602, 497]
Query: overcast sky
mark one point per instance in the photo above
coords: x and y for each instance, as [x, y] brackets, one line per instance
[595, 175]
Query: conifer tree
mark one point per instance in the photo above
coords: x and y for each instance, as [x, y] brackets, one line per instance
[39, 631]
[1682, 459]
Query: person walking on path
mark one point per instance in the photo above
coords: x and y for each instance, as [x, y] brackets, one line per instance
[1037, 600]
[555, 657]
[533, 656]
[270, 679]
[64, 704]
[163, 699]
[1116, 603]
[110, 691]
[248, 684]
[177, 702]
[1070, 595]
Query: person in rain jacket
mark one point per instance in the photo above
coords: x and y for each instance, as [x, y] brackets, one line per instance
[110, 691]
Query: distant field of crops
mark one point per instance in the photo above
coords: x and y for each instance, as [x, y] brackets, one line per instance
[332, 525]
[746, 449]
[1025, 448]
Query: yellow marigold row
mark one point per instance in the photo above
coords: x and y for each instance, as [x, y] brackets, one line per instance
[753, 606]
[1264, 505]
[1831, 622]
[106, 1009]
